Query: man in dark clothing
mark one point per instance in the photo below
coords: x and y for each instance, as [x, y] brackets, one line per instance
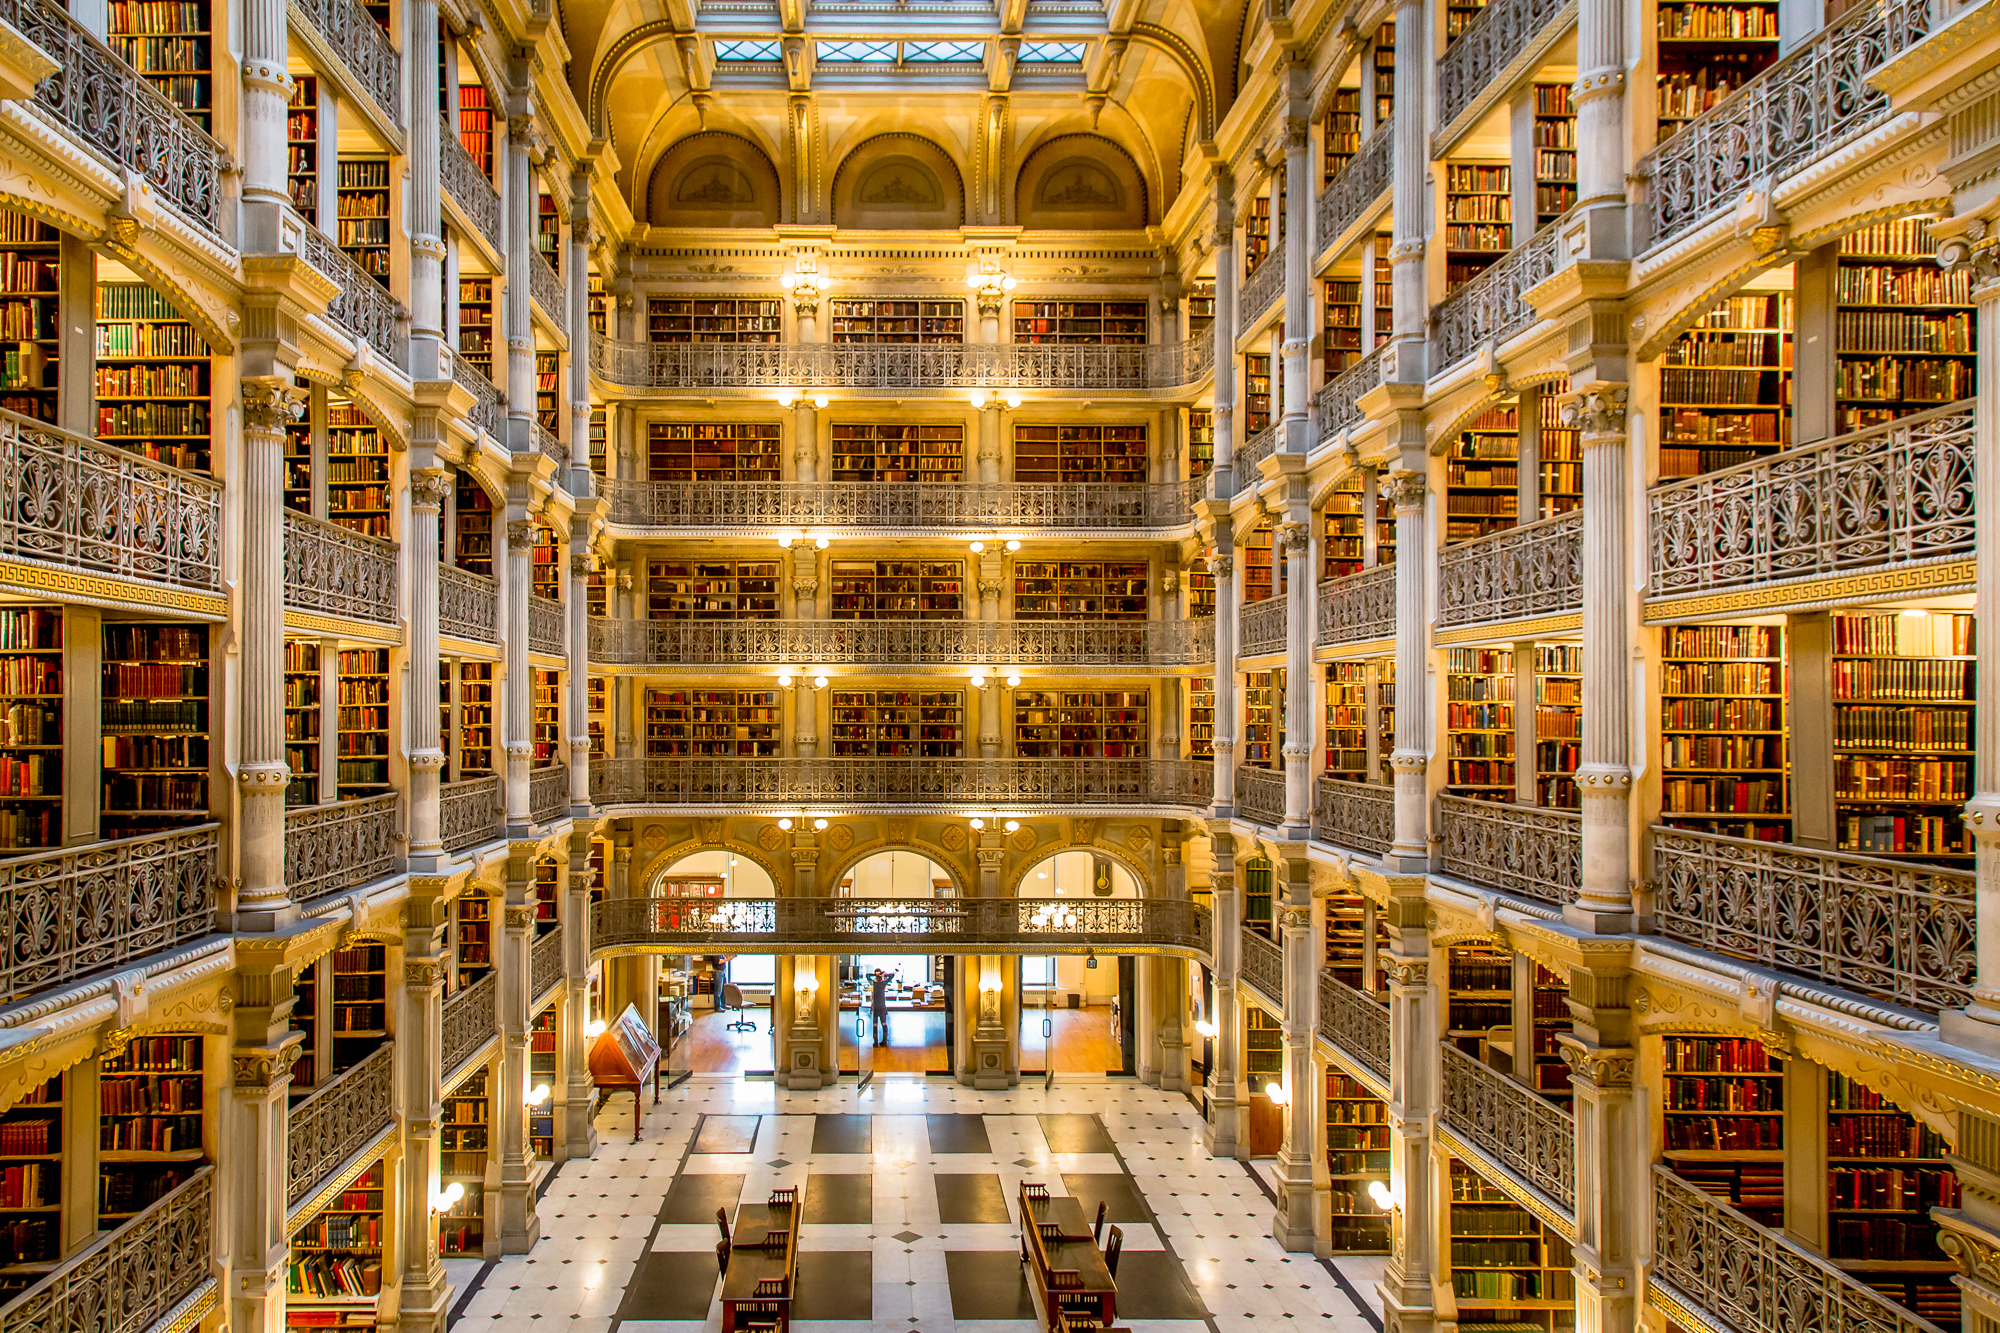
[878, 1002]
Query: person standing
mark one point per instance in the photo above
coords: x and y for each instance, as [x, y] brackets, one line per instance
[878, 1001]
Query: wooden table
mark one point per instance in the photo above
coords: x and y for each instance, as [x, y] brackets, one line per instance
[1066, 1270]
[763, 1265]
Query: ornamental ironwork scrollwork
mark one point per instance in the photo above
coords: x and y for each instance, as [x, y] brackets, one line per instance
[1359, 187]
[551, 448]
[545, 289]
[468, 186]
[1533, 569]
[1337, 406]
[679, 504]
[1490, 43]
[469, 1019]
[1523, 850]
[469, 812]
[362, 307]
[468, 605]
[1509, 1122]
[1260, 626]
[1257, 448]
[1359, 607]
[1357, 815]
[1355, 1022]
[1260, 795]
[1262, 964]
[545, 964]
[1493, 306]
[128, 1280]
[548, 793]
[489, 406]
[333, 570]
[548, 627]
[942, 782]
[336, 1120]
[337, 847]
[1261, 289]
[358, 41]
[907, 643]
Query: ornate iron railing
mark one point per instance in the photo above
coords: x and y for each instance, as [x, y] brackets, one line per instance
[1260, 627]
[338, 572]
[1355, 1022]
[1262, 963]
[469, 188]
[351, 33]
[551, 448]
[1534, 569]
[1356, 815]
[545, 289]
[78, 910]
[1896, 494]
[949, 783]
[468, 605]
[131, 1279]
[1358, 608]
[548, 626]
[470, 1017]
[1898, 931]
[338, 1119]
[891, 504]
[644, 365]
[1337, 404]
[1497, 35]
[1261, 289]
[103, 101]
[1260, 795]
[337, 847]
[548, 793]
[68, 502]
[1355, 192]
[362, 306]
[1493, 306]
[489, 406]
[1792, 114]
[1521, 1131]
[1256, 449]
[902, 642]
[545, 963]
[470, 812]
[1523, 850]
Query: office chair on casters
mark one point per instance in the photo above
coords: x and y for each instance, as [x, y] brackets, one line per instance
[732, 998]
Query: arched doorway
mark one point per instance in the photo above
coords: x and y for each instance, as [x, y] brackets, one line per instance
[1077, 1014]
[895, 1010]
[715, 1009]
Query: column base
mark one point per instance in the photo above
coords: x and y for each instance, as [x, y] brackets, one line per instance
[1593, 922]
[989, 1064]
[1292, 1225]
[1975, 1027]
[259, 1304]
[579, 1135]
[423, 1301]
[520, 1224]
[1220, 1131]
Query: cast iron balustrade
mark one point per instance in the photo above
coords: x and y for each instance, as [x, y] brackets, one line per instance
[468, 187]
[468, 605]
[469, 1020]
[1355, 1022]
[545, 289]
[1535, 569]
[470, 812]
[1357, 815]
[1256, 449]
[1260, 627]
[1522, 1132]
[1896, 494]
[1497, 36]
[1358, 608]
[1138, 643]
[362, 307]
[337, 1120]
[972, 506]
[341, 846]
[489, 408]
[1261, 289]
[1263, 964]
[545, 964]
[553, 449]
[1493, 306]
[96, 96]
[1523, 850]
[548, 793]
[1260, 795]
[79, 910]
[1713, 1261]
[1359, 187]
[1896, 930]
[68, 502]
[131, 1279]
[353, 37]
[948, 783]
[336, 572]
[1337, 406]
[1789, 116]
[548, 627]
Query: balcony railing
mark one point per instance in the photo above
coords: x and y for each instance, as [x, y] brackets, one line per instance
[1359, 608]
[469, 1020]
[1521, 850]
[470, 812]
[68, 502]
[1256, 449]
[340, 573]
[1497, 36]
[947, 783]
[1353, 194]
[1356, 815]
[1792, 114]
[469, 188]
[548, 626]
[1535, 569]
[1897, 494]
[1264, 286]
[71, 912]
[337, 1120]
[96, 96]
[902, 925]
[1493, 307]
[1898, 931]
[1524, 1133]
[1260, 795]
[131, 1279]
[545, 964]
[645, 365]
[1338, 403]
[892, 504]
[468, 605]
[1355, 1022]
[337, 847]
[548, 793]
[545, 289]
[1712, 1260]
[362, 307]
[1260, 627]
[352, 35]
[489, 407]
[551, 448]
[1144, 643]
[1263, 964]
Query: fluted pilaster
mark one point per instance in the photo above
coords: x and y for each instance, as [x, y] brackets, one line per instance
[1604, 778]
[428, 489]
[269, 404]
[1409, 492]
[515, 695]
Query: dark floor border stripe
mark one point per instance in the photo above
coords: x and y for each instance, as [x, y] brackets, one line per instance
[1333, 1270]
[1166, 1242]
[471, 1290]
[680, 1169]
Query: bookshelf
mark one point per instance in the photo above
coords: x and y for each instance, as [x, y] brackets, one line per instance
[1080, 454]
[1201, 442]
[548, 231]
[1347, 721]
[545, 576]
[1885, 1172]
[1258, 572]
[1482, 476]
[548, 405]
[169, 42]
[1385, 74]
[1343, 133]
[1722, 730]
[713, 319]
[1548, 1018]
[542, 1073]
[1385, 716]
[1479, 717]
[935, 323]
[884, 451]
[600, 439]
[335, 1271]
[31, 1171]
[599, 852]
[152, 377]
[305, 1017]
[31, 727]
[1080, 590]
[712, 451]
[1201, 717]
[1263, 1048]
[1458, 16]
[597, 593]
[1479, 995]
[302, 146]
[154, 727]
[362, 199]
[1346, 945]
[475, 720]
[361, 728]
[1555, 153]
[1256, 233]
[1479, 217]
[1508, 1271]
[1347, 527]
[1340, 305]
[475, 324]
[1903, 704]
[472, 524]
[898, 590]
[596, 694]
[1559, 455]
[299, 497]
[302, 721]
[475, 125]
[1090, 323]
[1903, 331]
[472, 919]
[357, 470]
[360, 1003]
[30, 329]
[548, 896]
[152, 1126]
[1558, 724]
[1200, 306]
[546, 720]
[1726, 387]
[1257, 894]
[1257, 398]
[712, 589]
[1705, 51]
[1357, 1153]
[1091, 724]
[1723, 1121]
[711, 723]
[462, 1143]
[928, 724]
[1264, 718]
[1201, 591]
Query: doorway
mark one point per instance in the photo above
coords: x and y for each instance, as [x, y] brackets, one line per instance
[914, 1036]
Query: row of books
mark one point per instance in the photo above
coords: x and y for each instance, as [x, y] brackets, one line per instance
[1900, 379]
[24, 1138]
[1904, 834]
[149, 340]
[154, 680]
[1715, 1133]
[174, 380]
[1883, 331]
[150, 1133]
[324, 1277]
[168, 751]
[1874, 284]
[1902, 779]
[1904, 728]
[1724, 752]
[1724, 678]
[1721, 1094]
[176, 714]
[1718, 22]
[1894, 679]
[1723, 796]
[31, 1184]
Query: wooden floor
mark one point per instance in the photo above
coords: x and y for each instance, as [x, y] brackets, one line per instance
[1082, 1043]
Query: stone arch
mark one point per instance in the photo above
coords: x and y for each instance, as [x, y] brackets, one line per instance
[1140, 874]
[1081, 182]
[714, 179]
[657, 868]
[1487, 401]
[169, 283]
[898, 181]
[963, 881]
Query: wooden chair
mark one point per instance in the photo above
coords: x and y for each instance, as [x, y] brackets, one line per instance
[1097, 1232]
[1112, 1249]
[722, 1224]
[722, 1257]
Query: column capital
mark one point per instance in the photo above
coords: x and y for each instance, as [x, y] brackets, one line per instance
[1406, 490]
[1597, 413]
[271, 403]
[1608, 1069]
[1972, 244]
[429, 488]
[520, 532]
[1294, 537]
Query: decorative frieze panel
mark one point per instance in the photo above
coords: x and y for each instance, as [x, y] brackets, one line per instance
[546, 290]
[469, 189]
[469, 1019]
[1148, 643]
[1261, 290]
[361, 307]
[1498, 35]
[1522, 850]
[1533, 570]
[944, 783]
[1256, 449]
[489, 408]
[551, 448]
[1262, 964]
[548, 627]
[1260, 627]
[1337, 406]
[337, 847]
[548, 793]
[545, 964]
[351, 34]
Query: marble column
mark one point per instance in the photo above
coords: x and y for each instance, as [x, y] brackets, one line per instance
[1222, 740]
[582, 234]
[577, 680]
[1409, 492]
[1223, 473]
[574, 1131]
[1414, 1032]
[1410, 190]
[430, 354]
[1295, 545]
[256, 1124]
[428, 489]
[520, 1227]
[1224, 1128]
[517, 199]
[1597, 230]
[419, 1055]
[805, 441]
[516, 699]
[1611, 1143]
[1294, 429]
[1292, 1225]
[267, 91]
[1604, 777]
[1969, 1234]
[991, 412]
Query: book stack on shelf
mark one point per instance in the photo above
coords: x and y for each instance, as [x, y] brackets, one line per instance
[299, 461]
[1257, 894]
[1885, 1172]
[1385, 73]
[1201, 591]
[475, 125]
[1723, 1110]
[548, 896]
[1559, 455]
[1385, 287]
[548, 232]
[1726, 387]
[31, 1170]
[1479, 722]
[302, 717]
[1256, 233]
[714, 451]
[151, 377]
[1483, 477]
[1080, 590]
[1479, 218]
[1903, 703]
[600, 853]
[361, 732]
[472, 531]
[1508, 1270]
[1479, 997]
[475, 324]
[1555, 153]
[151, 1132]
[546, 722]
[1548, 1019]
[712, 723]
[1347, 528]
[1343, 133]
[1201, 443]
[1347, 721]
[1558, 724]
[1201, 717]
[473, 922]
[542, 1074]
[1722, 730]
[1093, 724]
[1263, 1048]
[596, 696]
[169, 42]
[360, 1003]
[548, 405]
[1706, 51]
[1385, 716]
[1458, 16]
[712, 589]
[475, 719]
[1341, 333]
[302, 146]
[1904, 329]
[545, 577]
[1200, 306]
[363, 214]
[884, 451]
[1257, 398]
[1346, 954]
[898, 723]
[933, 323]
[357, 470]
[30, 294]
[1080, 454]
[306, 1070]
[713, 319]
[1357, 1154]
[154, 725]
[1258, 566]
[1264, 718]
[31, 730]
[462, 1143]
[335, 1273]
[600, 438]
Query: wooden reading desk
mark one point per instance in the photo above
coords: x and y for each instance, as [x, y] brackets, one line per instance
[1066, 1270]
[763, 1266]
[625, 1058]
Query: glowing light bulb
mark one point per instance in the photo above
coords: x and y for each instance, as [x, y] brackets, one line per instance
[978, 681]
[1276, 1093]
[594, 1029]
[785, 824]
[784, 541]
[819, 400]
[978, 547]
[1013, 825]
[442, 1200]
[819, 682]
[1012, 681]
[822, 542]
[1380, 1193]
[819, 824]
[785, 680]
[538, 1094]
[978, 823]
[1206, 1029]
[1013, 400]
[1013, 545]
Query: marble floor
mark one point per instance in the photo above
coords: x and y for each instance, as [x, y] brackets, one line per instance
[909, 1196]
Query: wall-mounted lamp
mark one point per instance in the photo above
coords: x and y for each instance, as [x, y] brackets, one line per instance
[820, 400]
[978, 399]
[594, 1029]
[784, 680]
[785, 540]
[1012, 681]
[817, 282]
[1013, 401]
[1276, 1092]
[443, 1200]
[822, 542]
[785, 824]
[538, 1094]
[1384, 1197]
[979, 680]
[819, 682]
[978, 547]
[786, 397]
[819, 824]
[1013, 544]
[1205, 1028]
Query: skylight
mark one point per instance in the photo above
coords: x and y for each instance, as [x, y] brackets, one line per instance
[1050, 53]
[746, 49]
[857, 53]
[942, 53]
